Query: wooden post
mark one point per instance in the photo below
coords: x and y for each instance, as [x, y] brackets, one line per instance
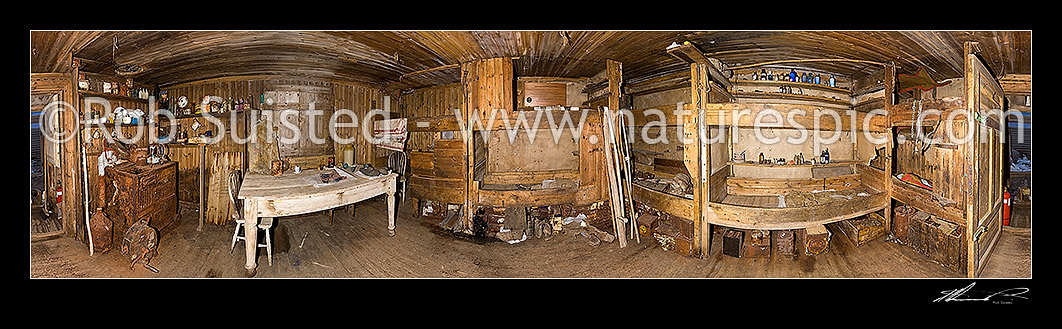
[470, 93]
[890, 97]
[614, 74]
[70, 161]
[971, 170]
[487, 85]
[697, 160]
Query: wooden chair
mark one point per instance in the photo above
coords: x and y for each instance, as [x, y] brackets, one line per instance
[398, 161]
[264, 224]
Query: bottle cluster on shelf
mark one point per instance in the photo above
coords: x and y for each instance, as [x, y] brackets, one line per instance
[118, 115]
[792, 76]
[112, 86]
[209, 104]
[798, 159]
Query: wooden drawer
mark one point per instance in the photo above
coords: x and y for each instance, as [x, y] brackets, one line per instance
[165, 183]
[164, 217]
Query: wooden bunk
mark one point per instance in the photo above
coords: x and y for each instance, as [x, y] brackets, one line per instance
[738, 194]
[964, 168]
[486, 170]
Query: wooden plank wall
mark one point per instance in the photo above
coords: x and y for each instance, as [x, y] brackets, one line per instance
[428, 102]
[228, 155]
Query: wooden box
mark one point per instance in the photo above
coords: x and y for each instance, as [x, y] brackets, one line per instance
[757, 244]
[941, 241]
[815, 240]
[671, 238]
[647, 224]
[147, 192]
[916, 231]
[863, 229]
[732, 241]
[684, 246]
[684, 226]
[783, 243]
[900, 219]
[598, 214]
[494, 217]
[544, 94]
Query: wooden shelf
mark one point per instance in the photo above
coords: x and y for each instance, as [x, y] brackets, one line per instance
[831, 164]
[794, 97]
[792, 84]
[111, 96]
[113, 124]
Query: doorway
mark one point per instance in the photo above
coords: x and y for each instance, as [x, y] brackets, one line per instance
[45, 217]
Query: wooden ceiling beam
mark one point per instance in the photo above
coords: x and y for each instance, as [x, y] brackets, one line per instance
[691, 54]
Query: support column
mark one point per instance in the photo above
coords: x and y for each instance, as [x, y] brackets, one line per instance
[487, 85]
[697, 160]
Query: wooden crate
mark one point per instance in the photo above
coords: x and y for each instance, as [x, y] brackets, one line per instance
[757, 244]
[647, 224]
[863, 229]
[815, 240]
[598, 214]
[941, 241]
[783, 243]
[684, 226]
[684, 246]
[916, 231]
[671, 237]
[732, 241]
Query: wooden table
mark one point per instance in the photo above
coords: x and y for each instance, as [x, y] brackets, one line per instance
[296, 193]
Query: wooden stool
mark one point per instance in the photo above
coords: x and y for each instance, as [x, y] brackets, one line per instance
[264, 224]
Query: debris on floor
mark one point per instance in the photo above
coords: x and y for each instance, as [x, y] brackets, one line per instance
[517, 224]
[578, 226]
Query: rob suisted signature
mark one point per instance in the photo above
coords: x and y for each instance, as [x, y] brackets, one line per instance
[966, 295]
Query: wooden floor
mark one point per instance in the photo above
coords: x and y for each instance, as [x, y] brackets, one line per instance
[41, 225]
[360, 248]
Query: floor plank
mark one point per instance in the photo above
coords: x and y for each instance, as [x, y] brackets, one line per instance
[360, 247]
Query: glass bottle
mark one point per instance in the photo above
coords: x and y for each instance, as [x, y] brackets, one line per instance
[833, 82]
[792, 75]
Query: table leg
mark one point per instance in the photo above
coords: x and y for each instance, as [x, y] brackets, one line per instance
[250, 216]
[202, 163]
[391, 213]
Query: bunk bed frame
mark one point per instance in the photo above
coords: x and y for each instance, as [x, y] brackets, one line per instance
[723, 189]
[458, 171]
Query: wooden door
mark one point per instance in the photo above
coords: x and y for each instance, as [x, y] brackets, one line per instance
[984, 98]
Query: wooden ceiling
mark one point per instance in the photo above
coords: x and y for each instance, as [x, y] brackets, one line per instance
[380, 58]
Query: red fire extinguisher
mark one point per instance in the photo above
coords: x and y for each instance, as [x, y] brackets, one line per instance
[58, 194]
[1006, 208]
